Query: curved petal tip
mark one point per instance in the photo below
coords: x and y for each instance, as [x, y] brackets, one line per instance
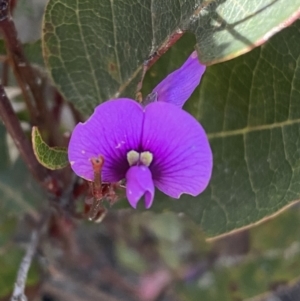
[178, 86]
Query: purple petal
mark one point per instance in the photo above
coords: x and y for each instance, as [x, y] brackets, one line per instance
[112, 130]
[182, 158]
[138, 183]
[178, 86]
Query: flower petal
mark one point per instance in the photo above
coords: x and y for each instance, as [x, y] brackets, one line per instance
[138, 183]
[182, 158]
[178, 86]
[112, 130]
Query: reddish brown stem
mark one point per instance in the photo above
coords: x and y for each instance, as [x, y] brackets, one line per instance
[16, 56]
[29, 79]
[13, 127]
[5, 69]
[169, 42]
[13, 4]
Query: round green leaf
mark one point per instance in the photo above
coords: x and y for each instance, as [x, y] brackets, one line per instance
[95, 49]
[251, 111]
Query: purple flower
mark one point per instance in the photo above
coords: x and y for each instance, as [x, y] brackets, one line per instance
[178, 86]
[158, 145]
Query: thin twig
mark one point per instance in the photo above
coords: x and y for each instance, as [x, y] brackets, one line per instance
[30, 80]
[153, 57]
[170, 40]
[13, 127]
[16, 56]
[5, 69]
[18, 293]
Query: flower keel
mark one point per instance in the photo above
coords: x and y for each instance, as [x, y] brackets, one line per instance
[139, 183]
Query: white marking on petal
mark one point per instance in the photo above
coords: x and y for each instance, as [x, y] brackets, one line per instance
[120, 144]
[72, 162]
[83, 151]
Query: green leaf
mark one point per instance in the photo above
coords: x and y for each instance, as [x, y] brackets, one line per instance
[50, 157]
[95, 50]
[250, 108]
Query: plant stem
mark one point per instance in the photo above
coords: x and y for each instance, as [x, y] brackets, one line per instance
[18, 293]
[153, 57]
[31, 82]
[16, 56]
[13, 127]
